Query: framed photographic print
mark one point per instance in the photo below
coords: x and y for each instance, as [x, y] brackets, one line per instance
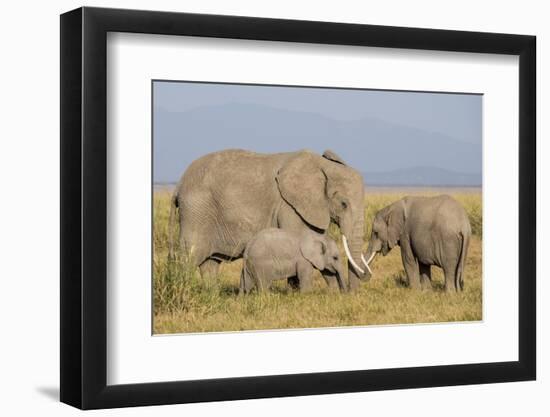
[257, 207]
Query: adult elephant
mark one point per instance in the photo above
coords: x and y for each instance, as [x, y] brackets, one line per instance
[225, 198]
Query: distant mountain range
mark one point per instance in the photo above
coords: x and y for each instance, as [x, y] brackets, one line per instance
[387, 153]
[412, 177]
[422, 176]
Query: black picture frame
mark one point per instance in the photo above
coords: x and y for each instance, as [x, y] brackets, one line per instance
[84, 207]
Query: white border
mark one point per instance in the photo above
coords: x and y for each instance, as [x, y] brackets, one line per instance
[134, 356]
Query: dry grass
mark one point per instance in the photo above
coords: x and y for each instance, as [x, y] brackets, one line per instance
[183, 302]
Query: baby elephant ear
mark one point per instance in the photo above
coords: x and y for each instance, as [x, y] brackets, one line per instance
[395, 220]
[314, 251]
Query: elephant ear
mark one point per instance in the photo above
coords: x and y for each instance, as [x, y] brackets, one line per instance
[331, 156]
[395, 219]
[314, 251]
[302, 184]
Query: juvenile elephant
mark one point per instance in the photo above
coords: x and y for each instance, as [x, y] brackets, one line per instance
[280, 254]
[430, 231]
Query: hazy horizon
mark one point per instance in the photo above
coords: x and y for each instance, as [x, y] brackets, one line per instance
[414, 137]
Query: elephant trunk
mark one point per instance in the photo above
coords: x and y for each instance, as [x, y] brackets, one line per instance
[340, 279]
[355, 249]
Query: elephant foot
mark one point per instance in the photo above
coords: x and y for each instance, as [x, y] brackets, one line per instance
[426, 285]
[332, 283]
[450, 287]
[210, 270]
[415, 284]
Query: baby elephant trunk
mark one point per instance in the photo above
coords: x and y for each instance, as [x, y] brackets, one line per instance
[340, 278]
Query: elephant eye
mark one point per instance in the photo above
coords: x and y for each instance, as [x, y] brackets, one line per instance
[335, 258]
[344, 205]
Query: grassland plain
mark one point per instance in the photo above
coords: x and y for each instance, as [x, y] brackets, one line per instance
[183, 302]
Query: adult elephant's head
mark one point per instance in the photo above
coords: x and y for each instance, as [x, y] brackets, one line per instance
[321, 188]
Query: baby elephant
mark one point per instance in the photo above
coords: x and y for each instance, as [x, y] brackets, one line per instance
[279, 254]
[430, 231]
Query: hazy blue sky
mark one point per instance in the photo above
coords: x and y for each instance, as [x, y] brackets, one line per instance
[372, 130]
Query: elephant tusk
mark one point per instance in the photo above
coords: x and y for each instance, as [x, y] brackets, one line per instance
[370, 259]
[366, 263]
[348, 254]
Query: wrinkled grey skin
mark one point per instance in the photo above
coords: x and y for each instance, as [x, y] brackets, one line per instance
[430, 231]
[225, 198]
[281, 254]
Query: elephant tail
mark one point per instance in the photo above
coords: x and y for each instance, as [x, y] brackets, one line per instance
[461, 261]
[171, 224]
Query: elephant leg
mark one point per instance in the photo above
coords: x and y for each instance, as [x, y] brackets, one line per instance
[194, 252]
[304, 272]
[449, 270]
[354, 282]
[260, 277]
[450, 259]
[293, 283]
[287, 219]
[410, 263]
[197, 253]
[425, 276]
[459, 279]
[262, 285]
[247, 283]
[243, 284]
[242, 289]
[331, 281]
[210, 269]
